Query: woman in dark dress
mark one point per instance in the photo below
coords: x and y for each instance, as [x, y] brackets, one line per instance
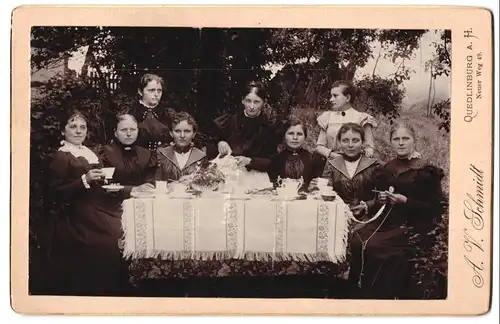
[381, 250]
[154, 118]
[85, 256]
[134, 166]
[294, 161]
[181, 158]
[247, 135]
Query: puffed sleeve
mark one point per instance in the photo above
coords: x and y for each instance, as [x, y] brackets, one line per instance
[323, 120]
[328, 173]
[62, 183]
[367, 119]
[218, 131]
[161, 159]
[273, 170]
[151, 169]
[427, 200]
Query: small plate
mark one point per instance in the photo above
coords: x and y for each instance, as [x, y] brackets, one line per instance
[113, 187]
[281, 198]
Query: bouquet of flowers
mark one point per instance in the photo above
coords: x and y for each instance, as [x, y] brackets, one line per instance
[207, 179]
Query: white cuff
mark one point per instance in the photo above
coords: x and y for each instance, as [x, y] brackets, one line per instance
[85, 183]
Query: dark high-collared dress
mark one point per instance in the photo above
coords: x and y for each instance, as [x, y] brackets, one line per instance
[154, 125]
[294, 164]
[256, 138]
[85, 256]
[134, 165]
[384, 269]
[168, 166]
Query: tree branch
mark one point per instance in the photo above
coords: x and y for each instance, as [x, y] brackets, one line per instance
[376, 61]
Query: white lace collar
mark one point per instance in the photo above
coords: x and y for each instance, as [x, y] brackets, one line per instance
[149, 107]
[79, 151]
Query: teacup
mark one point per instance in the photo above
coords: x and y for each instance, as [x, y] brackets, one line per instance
[161, 185]
[178, 187]
[326, 190]
[108, 172]
[321, 183]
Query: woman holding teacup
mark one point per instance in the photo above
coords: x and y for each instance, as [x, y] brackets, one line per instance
[181, 158]
[85, 257]
[131, 166]
[411, 190]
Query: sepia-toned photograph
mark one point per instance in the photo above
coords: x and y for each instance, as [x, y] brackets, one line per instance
[239, 162]
[252, 162]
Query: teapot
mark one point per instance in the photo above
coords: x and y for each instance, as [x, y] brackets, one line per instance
[289, 187]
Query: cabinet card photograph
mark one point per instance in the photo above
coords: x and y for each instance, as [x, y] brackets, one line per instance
[252, 160]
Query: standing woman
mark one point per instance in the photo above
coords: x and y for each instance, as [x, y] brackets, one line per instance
[342, 95]
[181, 157]
[247, 134]
[153, 117]
[382, 268]
[85, 255]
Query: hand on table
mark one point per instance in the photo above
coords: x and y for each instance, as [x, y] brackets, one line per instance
[243, 161]
[146, 187]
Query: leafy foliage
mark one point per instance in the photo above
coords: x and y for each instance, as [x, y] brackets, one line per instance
[443, 110]
[206, 70]
[380, 96]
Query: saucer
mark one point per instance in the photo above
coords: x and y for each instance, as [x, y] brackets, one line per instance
[113, 187]
[289, 198]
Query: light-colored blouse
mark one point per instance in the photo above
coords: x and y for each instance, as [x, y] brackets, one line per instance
[330, 123]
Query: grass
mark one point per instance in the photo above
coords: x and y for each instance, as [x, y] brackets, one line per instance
[431, 264]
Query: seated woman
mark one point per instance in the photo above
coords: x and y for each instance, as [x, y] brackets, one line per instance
[247, 135]
[180, 158]
[351, 173]
[294, 161]
[86, 259]
[381, 250]
[134, 165]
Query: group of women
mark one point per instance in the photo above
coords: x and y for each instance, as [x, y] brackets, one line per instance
[152, 142]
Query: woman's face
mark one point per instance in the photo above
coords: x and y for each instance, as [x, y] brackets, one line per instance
[75, 130]
[253, 104]
[338, 99]
[127, 131]
[295, 137]
[351, 144]
[403, 142]
[151, 94]
[183, 134]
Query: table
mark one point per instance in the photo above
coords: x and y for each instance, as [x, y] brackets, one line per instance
[223, 227]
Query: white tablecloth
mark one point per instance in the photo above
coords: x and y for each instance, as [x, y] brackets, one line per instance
[221, 228]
